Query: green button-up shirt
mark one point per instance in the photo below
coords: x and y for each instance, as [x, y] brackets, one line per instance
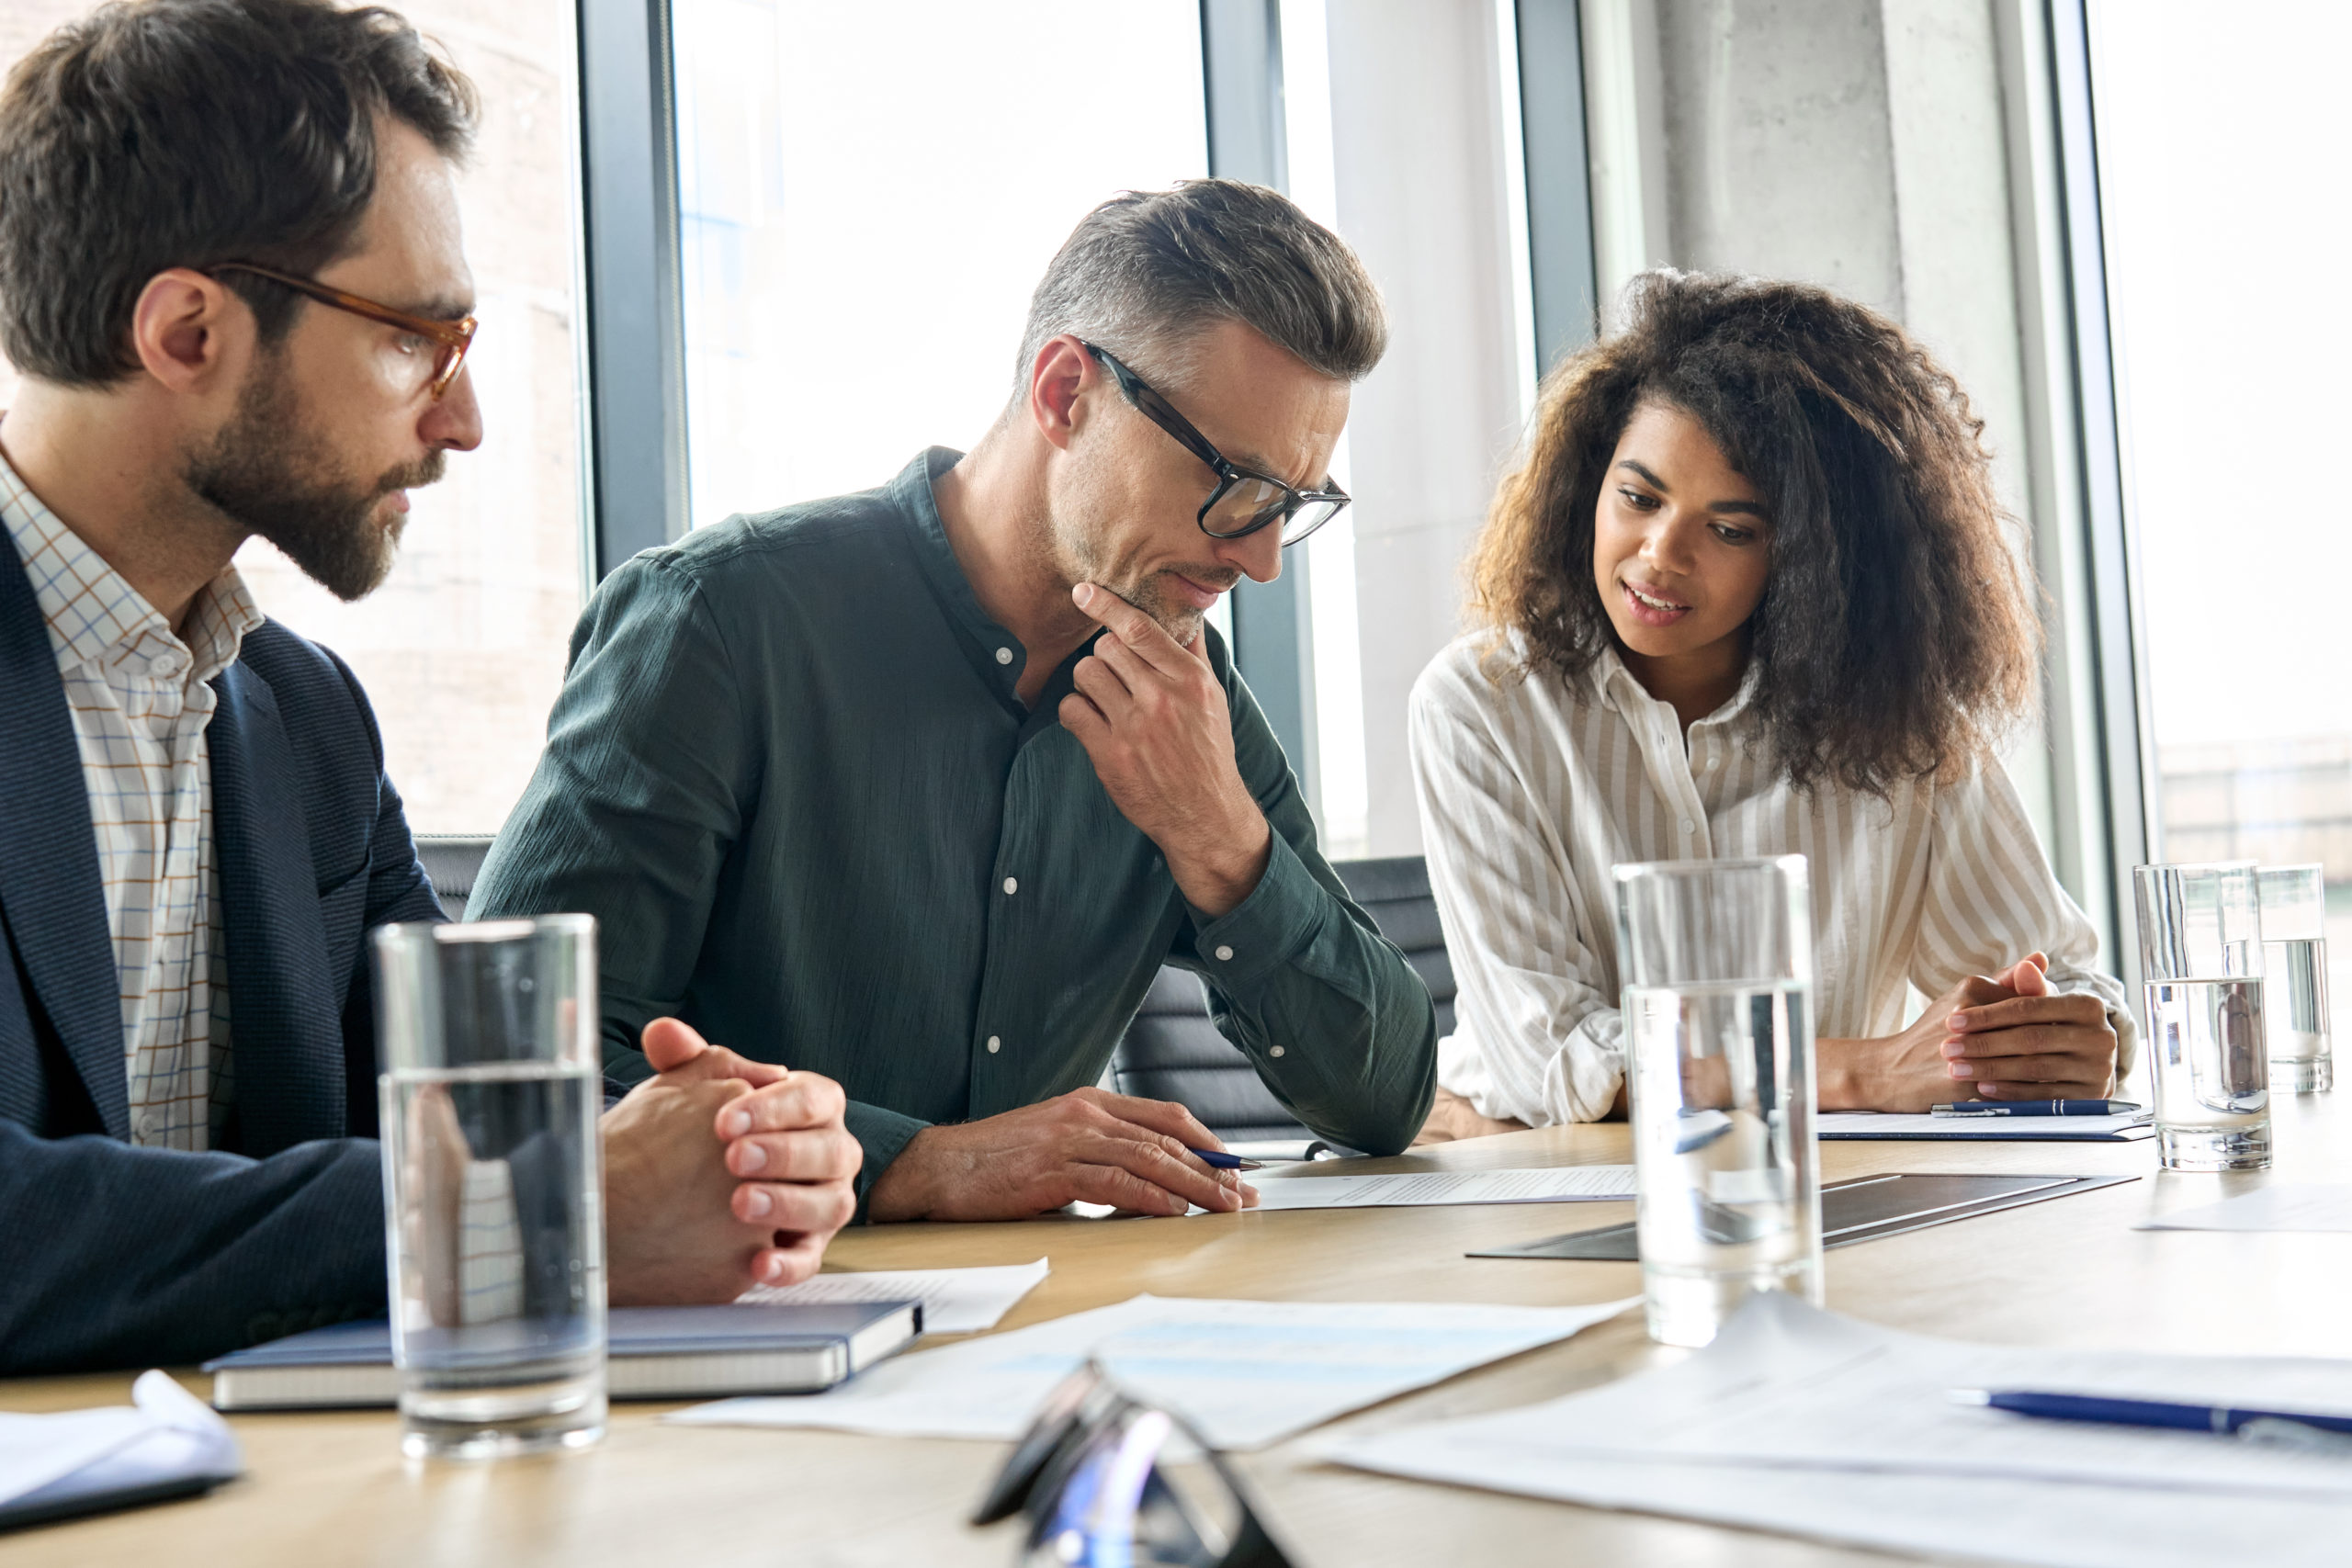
[789, 776]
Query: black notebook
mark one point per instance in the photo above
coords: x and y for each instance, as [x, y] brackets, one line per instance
[700, 1352]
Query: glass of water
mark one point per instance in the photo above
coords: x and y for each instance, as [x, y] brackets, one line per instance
[494, 1222]
[2201, 965]
[2295, 970]
[1716, 961]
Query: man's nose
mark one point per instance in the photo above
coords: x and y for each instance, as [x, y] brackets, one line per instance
[1256, 555]
[453, 421]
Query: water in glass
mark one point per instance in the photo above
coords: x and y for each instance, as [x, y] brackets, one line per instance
[497, 1255]
[2213, 1073]
[2296, 974]
[1723, 1136]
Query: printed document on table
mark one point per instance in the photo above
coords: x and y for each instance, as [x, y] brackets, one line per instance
[2292, 1206]
[1799, 1419]
[167, 1435]
[1556, 1184]
[955, 1301]
[2131, 1125]
[1246, 1373]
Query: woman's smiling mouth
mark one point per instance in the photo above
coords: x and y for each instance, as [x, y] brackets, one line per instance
[1652, 607]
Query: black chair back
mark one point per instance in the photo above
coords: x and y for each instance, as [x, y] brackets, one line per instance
[1171, 1051]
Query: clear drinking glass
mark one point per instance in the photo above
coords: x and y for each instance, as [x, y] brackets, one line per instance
[2295, 970]
[1716, 961]
[493, 1222]
[2200, 959]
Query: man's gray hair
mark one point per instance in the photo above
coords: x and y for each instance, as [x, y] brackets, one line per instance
[1147, 272]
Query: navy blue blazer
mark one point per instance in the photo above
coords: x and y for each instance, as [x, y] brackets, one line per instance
[112, 1256]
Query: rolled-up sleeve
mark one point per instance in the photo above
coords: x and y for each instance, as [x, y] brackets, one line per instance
[1537, 1038]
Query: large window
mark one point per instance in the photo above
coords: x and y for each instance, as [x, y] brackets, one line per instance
[867, 194]
[461, 651]
[2216, 129]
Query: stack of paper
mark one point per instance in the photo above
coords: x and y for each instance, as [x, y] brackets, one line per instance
[1245, 1373]
[2292, 1206]
[1554, 1184]
[1801, 1421]
[1905, 1126]
[165, 1444]
[955, 1301]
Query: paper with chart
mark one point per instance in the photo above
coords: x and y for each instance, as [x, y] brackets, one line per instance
[2290, 1206]
[1802, 1420]
[1246, 1373]
[166, 1434]
[955, 1301]
[1555, 1184]
[2130, 1125]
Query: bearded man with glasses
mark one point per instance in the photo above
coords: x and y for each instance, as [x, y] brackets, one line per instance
[921, 788]
[232, 277]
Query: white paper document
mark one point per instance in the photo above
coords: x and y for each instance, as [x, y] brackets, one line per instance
[1246, 1373]
[1800, 1420]
[2131, 1124]
[1555, 1184]
[955, 1301]
[2292, 1206]
[165, 1435]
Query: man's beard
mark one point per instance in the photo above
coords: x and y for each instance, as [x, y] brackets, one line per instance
[270, 471]
[1072, 535]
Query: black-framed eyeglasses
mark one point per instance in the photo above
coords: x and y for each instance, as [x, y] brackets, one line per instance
[1088, 1474]
[1243, 501]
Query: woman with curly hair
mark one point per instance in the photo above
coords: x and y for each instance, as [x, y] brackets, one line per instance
[1748, 594]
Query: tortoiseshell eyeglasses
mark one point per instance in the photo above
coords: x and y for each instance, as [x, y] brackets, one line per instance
[450, 339]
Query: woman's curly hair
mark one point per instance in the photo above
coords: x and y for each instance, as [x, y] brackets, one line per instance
[1896, 638]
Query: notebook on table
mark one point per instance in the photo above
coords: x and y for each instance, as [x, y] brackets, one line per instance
[654, 1353]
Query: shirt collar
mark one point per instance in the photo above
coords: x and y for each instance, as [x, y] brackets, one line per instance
[94, 614]
[1620, 691]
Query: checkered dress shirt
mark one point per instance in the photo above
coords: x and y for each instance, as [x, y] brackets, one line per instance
[141, 706]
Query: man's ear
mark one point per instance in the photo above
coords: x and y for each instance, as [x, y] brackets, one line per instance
[185, 329]
[1056, 377]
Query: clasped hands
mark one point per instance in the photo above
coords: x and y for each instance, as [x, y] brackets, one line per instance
[2002, 1036]
[720, 1173]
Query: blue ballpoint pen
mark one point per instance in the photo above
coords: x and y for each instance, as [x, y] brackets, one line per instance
[1223, 1161]
[2035, 1107]
[2223, 1420]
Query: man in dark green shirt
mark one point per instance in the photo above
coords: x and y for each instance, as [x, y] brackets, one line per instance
[920, 787]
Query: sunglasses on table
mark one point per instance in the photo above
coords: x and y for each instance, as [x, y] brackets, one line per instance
[449, 338]
[1244, 502]
[1089, 1475]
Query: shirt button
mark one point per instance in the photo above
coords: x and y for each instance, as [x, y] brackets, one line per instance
[995, 1045]
[1689, 826]
[1225, 955]
[1005, 656]
[1011, 884]
[165, 664]
[1275, 1052]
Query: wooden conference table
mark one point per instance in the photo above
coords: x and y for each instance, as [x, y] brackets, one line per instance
[333, 1487]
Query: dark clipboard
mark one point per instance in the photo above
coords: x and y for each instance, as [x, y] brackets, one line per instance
[1863, 1209]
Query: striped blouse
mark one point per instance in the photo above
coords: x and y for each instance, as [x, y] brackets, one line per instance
[1531, 788]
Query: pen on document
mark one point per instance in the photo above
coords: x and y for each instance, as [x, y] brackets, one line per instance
[2222, 1419]
[2035, 1107]
[1223, 1161]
